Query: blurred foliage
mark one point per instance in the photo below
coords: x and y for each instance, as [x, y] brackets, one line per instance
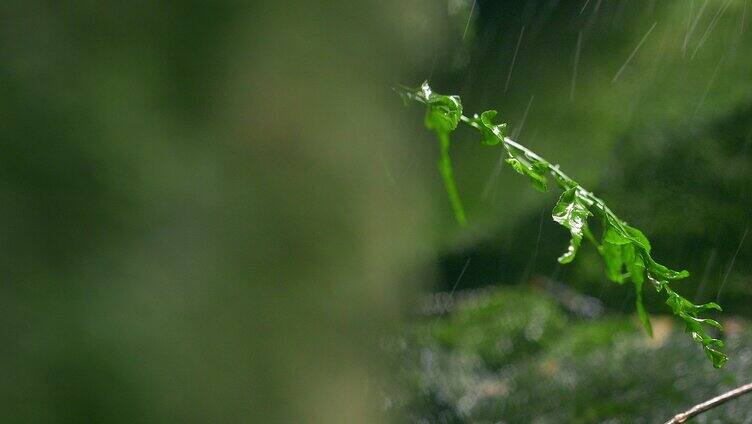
[565, 370]
[195, 224]
[526, 324]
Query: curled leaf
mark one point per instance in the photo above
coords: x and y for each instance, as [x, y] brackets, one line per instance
[695, 325]
[663, 272]
[492, 134]
[571, 211]
[539, 181]
[443, 113]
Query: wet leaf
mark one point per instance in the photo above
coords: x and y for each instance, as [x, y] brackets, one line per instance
[539, 181]
[663, 272]
[636, 268]
[492, 134]
[613, 256]
[443, 113]
[571, 211]
[695, 325]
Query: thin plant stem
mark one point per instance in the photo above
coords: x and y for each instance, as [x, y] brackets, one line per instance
[710, 404]
[445, 167]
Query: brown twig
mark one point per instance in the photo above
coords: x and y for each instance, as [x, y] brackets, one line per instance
[710, 404]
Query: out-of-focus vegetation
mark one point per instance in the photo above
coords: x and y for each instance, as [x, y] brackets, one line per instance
[195, 224]
[514, 355]
[219, 211]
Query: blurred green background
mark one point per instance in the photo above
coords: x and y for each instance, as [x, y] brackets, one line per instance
[220, 212]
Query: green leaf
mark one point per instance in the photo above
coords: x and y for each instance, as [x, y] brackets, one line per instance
[663, 272]
[612, 236]
[613, 251]
[621, 252]
[626, 246]
[539, 181]
[538, 166]
[638, 238]
[695, 325]
[626, 233]
[571, 211]
[613, 261]
[443, 113]
[636, 269]
[492, 134]
[717, 357]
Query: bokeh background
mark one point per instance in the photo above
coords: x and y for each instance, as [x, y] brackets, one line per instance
[220, 212]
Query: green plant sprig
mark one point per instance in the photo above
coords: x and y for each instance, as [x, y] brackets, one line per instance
[625, 250]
